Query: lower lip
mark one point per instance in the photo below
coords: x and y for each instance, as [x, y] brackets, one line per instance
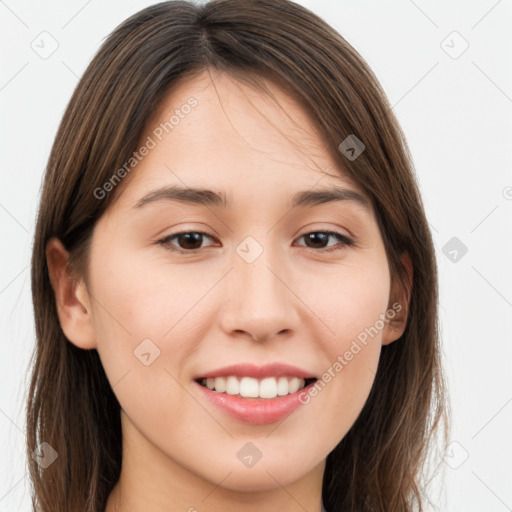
[259, 411]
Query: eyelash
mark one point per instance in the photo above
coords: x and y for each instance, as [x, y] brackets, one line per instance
[345, 240]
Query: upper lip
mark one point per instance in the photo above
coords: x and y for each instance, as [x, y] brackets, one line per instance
[258, 372]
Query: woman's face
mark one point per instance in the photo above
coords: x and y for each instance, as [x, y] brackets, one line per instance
[260, 289]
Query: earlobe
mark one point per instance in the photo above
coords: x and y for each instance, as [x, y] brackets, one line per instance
[398, 307]
[71, 298]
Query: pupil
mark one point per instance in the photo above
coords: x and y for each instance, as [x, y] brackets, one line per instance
[320, 236]
[188, 238]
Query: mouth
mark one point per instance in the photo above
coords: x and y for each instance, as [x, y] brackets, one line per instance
[256, 394]
[249, 387]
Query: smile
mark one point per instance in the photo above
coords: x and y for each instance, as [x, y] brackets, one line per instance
[249, 387]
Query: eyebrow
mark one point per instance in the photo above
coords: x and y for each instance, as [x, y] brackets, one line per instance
[207, 197]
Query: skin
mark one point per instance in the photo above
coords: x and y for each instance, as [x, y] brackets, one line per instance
[212, 309]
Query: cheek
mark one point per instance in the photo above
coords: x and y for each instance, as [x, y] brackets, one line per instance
[140, 298]
[353, 310]
[349, 302]
[134, 312]
[151, 320]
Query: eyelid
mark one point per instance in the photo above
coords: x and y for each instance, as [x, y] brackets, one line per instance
[345, 240]
[165, 241]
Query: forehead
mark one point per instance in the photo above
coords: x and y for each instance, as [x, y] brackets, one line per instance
[213, 131]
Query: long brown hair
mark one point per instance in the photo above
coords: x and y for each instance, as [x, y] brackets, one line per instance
[379, 464]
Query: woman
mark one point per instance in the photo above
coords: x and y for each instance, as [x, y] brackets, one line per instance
[254, 369]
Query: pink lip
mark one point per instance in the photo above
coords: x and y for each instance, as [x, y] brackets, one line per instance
[258, 411]
[258, 372]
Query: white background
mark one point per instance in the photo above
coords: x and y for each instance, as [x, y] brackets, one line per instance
[457, 117]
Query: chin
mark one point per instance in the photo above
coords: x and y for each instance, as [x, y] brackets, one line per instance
[263, 475]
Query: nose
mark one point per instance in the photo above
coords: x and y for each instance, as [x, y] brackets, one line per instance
[260, 303]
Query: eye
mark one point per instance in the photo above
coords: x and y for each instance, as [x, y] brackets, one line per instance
[319, 237]
[190, 242]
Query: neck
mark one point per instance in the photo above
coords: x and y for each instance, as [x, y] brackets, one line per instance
[151, 480]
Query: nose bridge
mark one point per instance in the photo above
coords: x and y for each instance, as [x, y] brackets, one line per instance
[259, 301]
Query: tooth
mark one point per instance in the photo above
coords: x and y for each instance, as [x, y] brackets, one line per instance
[232, 386]
[220, 384]
[294, 385]
[249, 387]
[282, 386]
[268, 388]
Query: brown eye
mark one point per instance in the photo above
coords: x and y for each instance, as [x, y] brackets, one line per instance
[319, 239]
[187, 241]
[191, 241]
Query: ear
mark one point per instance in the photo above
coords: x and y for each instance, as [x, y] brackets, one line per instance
[71, 297]
[398, 306]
